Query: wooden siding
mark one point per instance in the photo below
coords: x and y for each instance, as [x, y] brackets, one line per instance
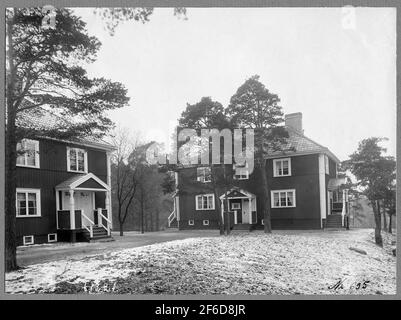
[53, 171]
[304, 179]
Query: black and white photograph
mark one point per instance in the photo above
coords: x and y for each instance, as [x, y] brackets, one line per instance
[211, 151]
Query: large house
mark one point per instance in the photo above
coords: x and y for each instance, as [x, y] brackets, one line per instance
[305, 190]
[63, 188]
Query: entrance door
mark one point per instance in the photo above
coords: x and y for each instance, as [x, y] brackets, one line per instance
[245, 211]
[82, 201]
[235, 206]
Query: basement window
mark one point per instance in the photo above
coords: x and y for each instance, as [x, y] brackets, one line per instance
[205, 222]
[191, 222]
[27, 240]
[52, 237]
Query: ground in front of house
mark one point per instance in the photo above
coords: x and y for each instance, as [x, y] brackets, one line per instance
[285, 262]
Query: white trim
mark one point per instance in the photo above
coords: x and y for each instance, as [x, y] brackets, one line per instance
[322, 189]
[326, 165]
[30, 242]
[279, 191]
[275, 174]
[85, 159]
[191, 222]
[37, 155]
[235, 208]
[246, 193]
[205, 195]
[262, 222]
[38, 202]
[83, 179]
[205, 222]
[52, 234]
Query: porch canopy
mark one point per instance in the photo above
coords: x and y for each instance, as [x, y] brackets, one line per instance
[237, 193]
[82, 183]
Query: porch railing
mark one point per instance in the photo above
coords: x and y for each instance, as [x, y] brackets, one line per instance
[91, 224]
[172, 216]
[103, 220]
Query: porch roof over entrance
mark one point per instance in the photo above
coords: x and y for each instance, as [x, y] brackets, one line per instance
[336, 183]
[238, 193]
[84, 182]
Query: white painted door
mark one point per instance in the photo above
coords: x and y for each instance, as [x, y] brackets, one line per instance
[245, 211]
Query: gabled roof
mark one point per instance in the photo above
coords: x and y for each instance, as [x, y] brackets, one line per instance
[302, 145]
[43, 119]
[236, 192]
[86, 181]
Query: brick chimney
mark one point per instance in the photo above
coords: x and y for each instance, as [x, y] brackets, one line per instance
[294, 121]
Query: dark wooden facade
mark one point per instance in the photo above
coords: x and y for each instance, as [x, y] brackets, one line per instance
[53, 171]
[304, 179]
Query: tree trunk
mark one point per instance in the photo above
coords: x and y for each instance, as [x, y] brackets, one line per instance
[11, 163]
[218, 212]
[390, 227]
[121, 229]
[157, 219]
[384, 220]
[142, 213]
[10, 190]
[265, 198]
[376, 213]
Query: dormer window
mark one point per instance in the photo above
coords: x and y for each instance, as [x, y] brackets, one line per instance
[204, 174]
[77, 160]
[28, 153]
[282, 167]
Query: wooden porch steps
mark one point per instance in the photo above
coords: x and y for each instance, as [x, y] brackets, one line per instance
[98, 234]
[243, 227]
[334, 221]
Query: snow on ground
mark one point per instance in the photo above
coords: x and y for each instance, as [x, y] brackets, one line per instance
[247, 263]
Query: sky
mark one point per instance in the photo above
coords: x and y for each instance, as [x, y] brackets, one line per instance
[335, 65]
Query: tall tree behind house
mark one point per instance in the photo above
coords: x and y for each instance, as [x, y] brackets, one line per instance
[254, 106]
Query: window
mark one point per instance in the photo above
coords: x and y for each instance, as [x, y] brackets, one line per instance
[283, 198]
[28, 240]
[52, 237]
[28, 153]
[28, 203]
[191, 222]
[77, 160]
[326, 164]
[205, 222]
[205, 202]
[241, 174]
[235, 205]
[282, 167]
[203, 174]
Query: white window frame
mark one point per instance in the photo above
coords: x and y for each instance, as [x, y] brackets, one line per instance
[279, 191]
[52, 234]
[236, 208]
[204, 195]
[326, 165]
[28, 243]
[37, 157]
[205, 222]
[191, 222]
[85, 160]
[38, 201]
[201, 178]
[275, 173]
